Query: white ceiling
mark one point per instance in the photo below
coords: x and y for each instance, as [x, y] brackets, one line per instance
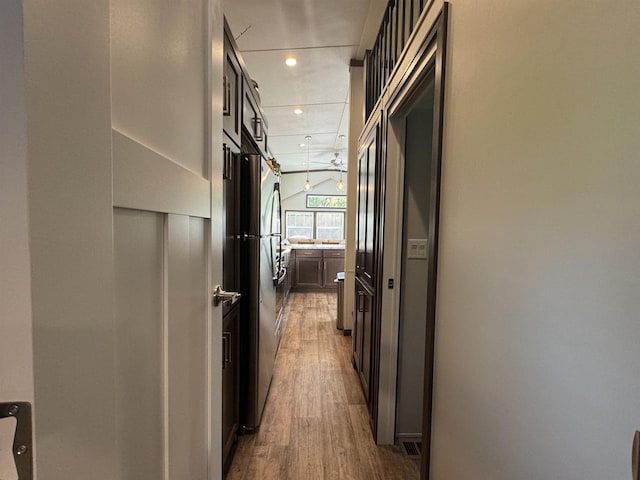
[323, 35]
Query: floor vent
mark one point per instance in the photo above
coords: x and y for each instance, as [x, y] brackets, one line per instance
[412, 449]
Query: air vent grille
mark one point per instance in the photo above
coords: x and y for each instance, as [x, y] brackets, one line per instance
[412, 449]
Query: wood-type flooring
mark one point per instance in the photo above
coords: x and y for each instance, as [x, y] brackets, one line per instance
[315, 423]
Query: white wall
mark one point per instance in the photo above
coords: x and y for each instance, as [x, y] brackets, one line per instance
[537, 358]
[16, 371]
[70, 211]
[324, 183]
[356, 121]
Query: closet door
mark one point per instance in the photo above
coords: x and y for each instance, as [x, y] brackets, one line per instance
[164, 230]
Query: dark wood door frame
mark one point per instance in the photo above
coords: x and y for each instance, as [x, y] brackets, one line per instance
[430, 60]
[434, 228]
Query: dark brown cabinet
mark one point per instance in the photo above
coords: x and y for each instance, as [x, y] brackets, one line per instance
[253, 120]
[316, 269]
[362, 338]
[367, 208]
[230, 382]
[308, 271]
[330, 268]
[366, 329]
[232, 93]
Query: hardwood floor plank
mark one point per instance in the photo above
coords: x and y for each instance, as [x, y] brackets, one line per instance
[315, 425]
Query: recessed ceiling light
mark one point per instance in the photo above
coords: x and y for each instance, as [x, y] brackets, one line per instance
[302, 145]
[298, 111]
[291, 62]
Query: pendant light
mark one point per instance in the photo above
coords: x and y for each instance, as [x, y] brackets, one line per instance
[340, 184]
[307, 184]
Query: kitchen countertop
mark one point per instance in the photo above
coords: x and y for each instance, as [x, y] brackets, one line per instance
[316, 246]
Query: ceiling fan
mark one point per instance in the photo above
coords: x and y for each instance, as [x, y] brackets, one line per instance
[336, 163]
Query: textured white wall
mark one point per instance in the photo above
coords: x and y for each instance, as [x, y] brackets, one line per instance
[158, 75]
[16, 373]
[70, 210]
[538, 329]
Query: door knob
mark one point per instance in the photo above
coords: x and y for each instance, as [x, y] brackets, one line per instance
[220, 296]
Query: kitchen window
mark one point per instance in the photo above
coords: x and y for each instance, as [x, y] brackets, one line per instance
[327, 226]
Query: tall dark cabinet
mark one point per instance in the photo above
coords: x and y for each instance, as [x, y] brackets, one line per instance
[231, 312]
[244, 124]
[366, 330]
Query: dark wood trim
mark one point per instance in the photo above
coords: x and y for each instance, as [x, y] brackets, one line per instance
[381, 175]
[356, 63]
[346, 332]
[440, 26]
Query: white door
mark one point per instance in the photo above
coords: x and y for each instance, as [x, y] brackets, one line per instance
[166, 329]
[125, 219]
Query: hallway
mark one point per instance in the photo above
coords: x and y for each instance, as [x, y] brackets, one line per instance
[315, 423]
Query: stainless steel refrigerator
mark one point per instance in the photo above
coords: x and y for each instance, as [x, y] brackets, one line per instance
[260, 211]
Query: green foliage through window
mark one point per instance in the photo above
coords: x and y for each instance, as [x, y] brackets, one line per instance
[326, 201]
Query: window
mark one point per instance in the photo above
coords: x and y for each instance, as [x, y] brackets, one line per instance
[327, 201]
[318, 225]
[330, 225]
[299, 224]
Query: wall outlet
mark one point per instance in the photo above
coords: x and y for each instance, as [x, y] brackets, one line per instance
[417, 248]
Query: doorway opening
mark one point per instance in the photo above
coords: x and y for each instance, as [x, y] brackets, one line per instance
[411, 237]
[414, 279]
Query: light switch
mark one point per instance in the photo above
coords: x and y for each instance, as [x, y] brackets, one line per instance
[417, 248]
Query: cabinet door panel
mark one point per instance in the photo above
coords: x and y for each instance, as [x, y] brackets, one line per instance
[331, 268]
[365, 371]
[230, 382]
[309, 272]
[232, 94]
[357, 331]
[371, 207]
[362, 211]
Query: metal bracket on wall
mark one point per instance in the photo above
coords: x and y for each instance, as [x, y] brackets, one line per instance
[22, 448]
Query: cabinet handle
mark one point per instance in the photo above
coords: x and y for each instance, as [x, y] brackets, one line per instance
[361, 296]
[225, 162]
[226, 103]
[258, 129]
[225, 348]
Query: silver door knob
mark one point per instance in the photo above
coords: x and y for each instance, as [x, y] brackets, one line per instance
[220, 296]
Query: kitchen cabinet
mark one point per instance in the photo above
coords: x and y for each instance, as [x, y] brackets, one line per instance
[231, 192]
[253, 120]
[316, 269]
[367, 208]
[240, 100]
[366, 334]
[308, 273]
[362, 338]
[232, 92]
[332, 263]
[230, 383]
